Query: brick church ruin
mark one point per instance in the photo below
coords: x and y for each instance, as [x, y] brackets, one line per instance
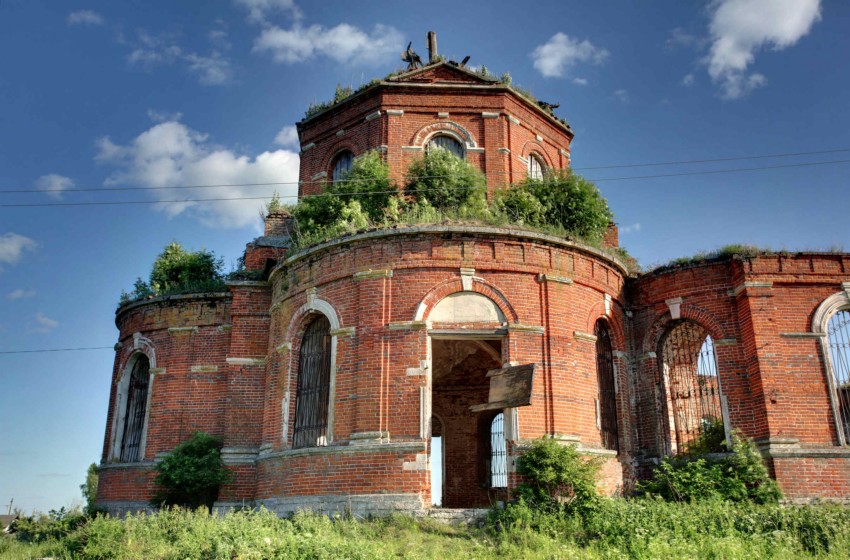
[336, 376]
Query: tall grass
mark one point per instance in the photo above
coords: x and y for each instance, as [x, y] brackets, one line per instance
[642, 528]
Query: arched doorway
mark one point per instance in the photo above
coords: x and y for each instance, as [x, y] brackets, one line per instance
[466, 342]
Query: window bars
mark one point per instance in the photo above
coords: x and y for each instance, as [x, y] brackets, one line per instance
[134, 414]
[691, 383]
[607, 400]
[498, 453]
[535, 168]
[314, 375]
[838, 331]
[447, 143]
[342, 165]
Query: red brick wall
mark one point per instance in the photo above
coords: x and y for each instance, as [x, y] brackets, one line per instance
[502, 126]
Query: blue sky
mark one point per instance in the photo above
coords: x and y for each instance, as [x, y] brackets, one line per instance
[114, 95]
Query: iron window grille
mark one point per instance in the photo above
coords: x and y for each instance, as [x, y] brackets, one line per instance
[342, 165]
[691, 383]
[607, 401]
[838, 341]
[314, 376]
[447, 143]
[134, 414]
[498, 453]
[536, 169]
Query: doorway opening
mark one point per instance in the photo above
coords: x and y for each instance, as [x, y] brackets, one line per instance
[472, 472]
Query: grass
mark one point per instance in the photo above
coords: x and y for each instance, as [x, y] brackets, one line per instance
[641, 528]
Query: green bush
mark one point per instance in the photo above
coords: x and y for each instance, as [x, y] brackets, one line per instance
[557, 477]
[736, 476]
[443, 179]
[367, 182]
[57, 524]
[177, 271]
[191, 474]
[561, 198]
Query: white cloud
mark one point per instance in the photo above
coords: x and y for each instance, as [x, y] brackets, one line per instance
[688, 80]
[20, 294]
[634, 228]
[12, 247]
[679, 37]
[740, 28]
[557, 56]
[44, 324]
[150, 51]
[344, 43]
[288, 137]
[258, 10]
[162, 116]
[85, 17]
[580, 81]
[212, 70]
[54, 184]
[171, 154]
[622, 95]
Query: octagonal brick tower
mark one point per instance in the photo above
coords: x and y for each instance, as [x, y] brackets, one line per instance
[498, 130]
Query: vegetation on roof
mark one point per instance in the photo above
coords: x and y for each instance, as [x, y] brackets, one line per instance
[178, 271]
[443, 189]
[726, 252]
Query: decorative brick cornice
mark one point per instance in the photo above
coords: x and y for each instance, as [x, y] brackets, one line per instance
[370, 274]
[246, 361]
[554, 278]
[408, 326]
[584, 336]
[518, 327]
[750, 285]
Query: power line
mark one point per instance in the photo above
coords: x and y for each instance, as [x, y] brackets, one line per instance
[600, 180]
[283, 183]
[56, 350]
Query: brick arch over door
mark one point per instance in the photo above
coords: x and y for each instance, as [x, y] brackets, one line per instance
[455, 285]
[696, 314]
[613, 320]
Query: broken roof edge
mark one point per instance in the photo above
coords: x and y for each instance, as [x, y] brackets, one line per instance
[493, 84]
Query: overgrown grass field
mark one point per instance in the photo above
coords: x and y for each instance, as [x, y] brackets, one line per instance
[642, 528]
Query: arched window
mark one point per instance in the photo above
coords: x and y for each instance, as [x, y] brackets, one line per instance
[447, 143]
[606, 405]
[313, 392]
[838, 354]
[536, 168]
[342, 165]
[498, 453]
[691, 384]
[133, 421]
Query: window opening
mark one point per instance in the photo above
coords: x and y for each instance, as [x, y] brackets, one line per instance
[436, 462]
[312, 396]
[535, 168]
[134, 415]
[692, 384]
[342, 165]
[498, 453]
[447, 143]
[607, 402]
[838, 332]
